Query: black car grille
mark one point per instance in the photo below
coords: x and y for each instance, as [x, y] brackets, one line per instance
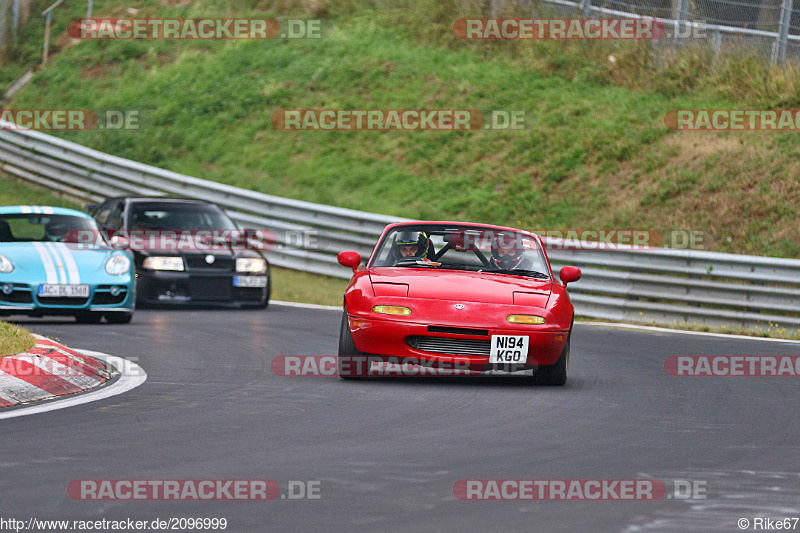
[18, 296]
[198, 262]
[210, 288]
[103, 296]
[60, 300]
[459, 331]
[449, 346]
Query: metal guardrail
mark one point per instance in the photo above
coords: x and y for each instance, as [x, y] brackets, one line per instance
[660, 286]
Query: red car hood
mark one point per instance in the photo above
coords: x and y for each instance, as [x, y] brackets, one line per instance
[460, 285]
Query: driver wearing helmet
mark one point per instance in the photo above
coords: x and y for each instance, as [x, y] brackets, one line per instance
[410, 245]
[508, 253]
[55, 231]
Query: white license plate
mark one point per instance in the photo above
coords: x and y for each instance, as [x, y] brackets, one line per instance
[250, 281]
[52, 290]
[509, 349]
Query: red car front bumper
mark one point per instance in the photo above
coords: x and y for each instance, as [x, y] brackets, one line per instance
[435, 327]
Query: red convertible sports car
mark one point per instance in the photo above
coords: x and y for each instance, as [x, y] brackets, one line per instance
[457, 296]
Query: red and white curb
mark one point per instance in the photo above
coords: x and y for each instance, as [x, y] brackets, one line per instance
[49, 370]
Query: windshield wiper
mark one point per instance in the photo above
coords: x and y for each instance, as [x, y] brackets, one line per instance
[416, 262]
[529, 273]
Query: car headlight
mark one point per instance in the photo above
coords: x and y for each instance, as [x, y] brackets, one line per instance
[255, 265]
[392, 310]
[6, 265]
[526, 319]
[164, 263]
[118, 265]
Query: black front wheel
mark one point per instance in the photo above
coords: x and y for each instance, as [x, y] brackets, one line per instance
[349, 366]
[554, 375]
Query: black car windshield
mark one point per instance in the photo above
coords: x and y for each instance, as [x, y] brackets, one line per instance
[49, 228]
[461, 247]
[178, 216]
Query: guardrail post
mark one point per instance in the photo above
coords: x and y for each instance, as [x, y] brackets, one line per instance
[586, 7]
[680, 19]
[15, 18]
[782, 41]
[89, 9]
[46, 39]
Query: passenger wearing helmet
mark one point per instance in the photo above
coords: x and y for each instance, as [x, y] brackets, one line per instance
[55, 231]
[410, 245]
[508, 253]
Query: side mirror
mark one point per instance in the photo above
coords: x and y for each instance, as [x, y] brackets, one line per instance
[569, 274]
[349, 259]
[120, 243]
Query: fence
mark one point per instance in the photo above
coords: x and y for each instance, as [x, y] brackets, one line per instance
[653, 286]
[771, 28]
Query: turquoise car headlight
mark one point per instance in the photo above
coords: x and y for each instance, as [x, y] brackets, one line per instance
[118, 265]
[6, 265]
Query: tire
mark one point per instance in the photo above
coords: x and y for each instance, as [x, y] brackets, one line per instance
[554, 375]
[88, 318]
[119, 318]
[347, 349]
[265, 303]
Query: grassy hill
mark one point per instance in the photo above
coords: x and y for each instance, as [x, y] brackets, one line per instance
[595, 154]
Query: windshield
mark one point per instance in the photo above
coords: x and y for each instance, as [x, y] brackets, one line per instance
[178, 216]
[461, 247]
[47, 228]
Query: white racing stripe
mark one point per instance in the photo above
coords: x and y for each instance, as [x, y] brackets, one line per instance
[26, 209]
[49, 267]
[69, 261]
[62, 272]
[47, 210]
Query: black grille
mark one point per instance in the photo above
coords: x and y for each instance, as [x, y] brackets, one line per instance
[60, 300]
[17, 297]
[450, 346]
[106, 298]
[458, 331]
[198, 262]
[210, 288]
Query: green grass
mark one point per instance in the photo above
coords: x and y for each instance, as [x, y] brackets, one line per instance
[14, 339]
[15, 193]
[296, 286]
[596, 153]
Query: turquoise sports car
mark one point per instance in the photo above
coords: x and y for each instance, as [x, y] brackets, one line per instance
[55, 261]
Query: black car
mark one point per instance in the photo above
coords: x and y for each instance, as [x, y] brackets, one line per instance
[186, 252]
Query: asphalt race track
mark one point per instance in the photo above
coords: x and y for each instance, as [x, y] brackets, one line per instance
[388, 452]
